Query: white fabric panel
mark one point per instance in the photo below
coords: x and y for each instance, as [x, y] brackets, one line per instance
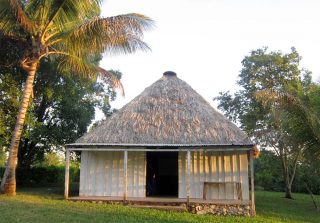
[214, 167]
[244, 176]
[136, 174]
[101, 174]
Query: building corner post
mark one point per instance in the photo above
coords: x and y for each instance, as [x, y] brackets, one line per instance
[253, 205]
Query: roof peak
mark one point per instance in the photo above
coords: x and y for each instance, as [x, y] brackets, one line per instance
[167, 112]
[169, 74]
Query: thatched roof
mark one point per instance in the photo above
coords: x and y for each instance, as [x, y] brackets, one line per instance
[167, 112]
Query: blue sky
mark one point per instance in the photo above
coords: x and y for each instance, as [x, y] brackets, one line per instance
[204, 41]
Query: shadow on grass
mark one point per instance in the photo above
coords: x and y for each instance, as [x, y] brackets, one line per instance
[52, 191]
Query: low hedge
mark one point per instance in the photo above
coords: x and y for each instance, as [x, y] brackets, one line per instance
[43, 176]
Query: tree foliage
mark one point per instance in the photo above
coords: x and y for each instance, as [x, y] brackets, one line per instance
[267, 171]
[271, 106]
[72, 34]
[63, 107]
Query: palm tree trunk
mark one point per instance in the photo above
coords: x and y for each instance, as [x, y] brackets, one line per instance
[8, 183]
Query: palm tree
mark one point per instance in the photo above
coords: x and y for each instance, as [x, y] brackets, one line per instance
[299, 124]
[71, 32]
[296, 105]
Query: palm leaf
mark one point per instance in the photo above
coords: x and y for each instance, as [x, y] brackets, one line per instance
[69, 63]
[21, 16]
[119, 34]
[8, 21]
[63, 12]
[294, 106]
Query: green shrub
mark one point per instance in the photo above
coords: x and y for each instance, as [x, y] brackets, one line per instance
[268, 172]
[43, 176]
[3, 157]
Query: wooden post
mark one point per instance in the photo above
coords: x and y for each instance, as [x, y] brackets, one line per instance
[125, 175]
[253, 206]
[189, 176]
[66, 180]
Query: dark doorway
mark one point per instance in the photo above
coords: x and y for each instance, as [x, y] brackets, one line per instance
[162, 174]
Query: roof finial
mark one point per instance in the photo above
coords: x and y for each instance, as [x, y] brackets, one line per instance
[169, 74]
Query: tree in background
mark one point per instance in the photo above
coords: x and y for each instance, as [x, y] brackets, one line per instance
[258, 109]
[302, 108]
[267, 171]
[69, 32]
[62, 108]
[52, 159]
[9, 93]
[2, 157]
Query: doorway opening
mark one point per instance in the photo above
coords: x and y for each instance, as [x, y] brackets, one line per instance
[162, 174]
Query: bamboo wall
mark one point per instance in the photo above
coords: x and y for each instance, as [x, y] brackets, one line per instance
[214, 167]
[101, 174]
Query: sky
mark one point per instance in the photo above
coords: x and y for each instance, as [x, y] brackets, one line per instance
[204, 41]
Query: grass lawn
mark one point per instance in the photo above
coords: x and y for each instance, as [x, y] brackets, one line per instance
[47, 205]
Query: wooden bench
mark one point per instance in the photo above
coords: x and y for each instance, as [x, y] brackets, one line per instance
[224, 184]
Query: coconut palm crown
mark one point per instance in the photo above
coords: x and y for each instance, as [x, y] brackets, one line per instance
[71, 32]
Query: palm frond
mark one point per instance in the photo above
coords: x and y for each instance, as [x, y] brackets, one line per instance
[69, 63]
[7, 21]
[38, 11]
[63, 12]
[21, 16]
[125, 44]
[294, 106]
[10, 29]
[119, 34]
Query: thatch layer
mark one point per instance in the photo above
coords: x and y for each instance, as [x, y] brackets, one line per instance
[167, 112]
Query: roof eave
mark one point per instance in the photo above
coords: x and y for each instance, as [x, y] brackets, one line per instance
[102, 146]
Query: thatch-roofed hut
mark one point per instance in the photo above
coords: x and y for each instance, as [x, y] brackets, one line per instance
[167, 142]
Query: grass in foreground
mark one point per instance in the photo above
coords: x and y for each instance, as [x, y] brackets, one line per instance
[47, 205]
